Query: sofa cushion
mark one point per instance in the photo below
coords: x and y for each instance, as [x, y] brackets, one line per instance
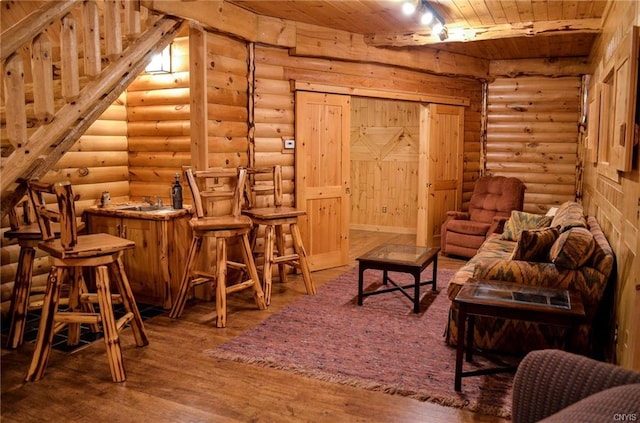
[520, 221]
[573, 248]
[468, 227]
[602, 258]
[569, 215]
[534, 244]
[619, 403]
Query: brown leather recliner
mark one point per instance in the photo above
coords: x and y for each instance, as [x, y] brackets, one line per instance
[493, 199]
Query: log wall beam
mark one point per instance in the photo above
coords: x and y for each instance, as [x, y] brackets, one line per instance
[481, 33]
[563, 66]
[316, 41]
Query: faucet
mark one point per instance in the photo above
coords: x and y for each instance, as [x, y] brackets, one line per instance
[149, 201]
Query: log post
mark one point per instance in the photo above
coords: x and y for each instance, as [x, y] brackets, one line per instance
[42, 70]
[69, 56]
[92, 59]
[15, 100]
[132, 18]
[112, 29]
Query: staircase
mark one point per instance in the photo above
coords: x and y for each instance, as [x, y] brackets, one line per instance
[63, 64]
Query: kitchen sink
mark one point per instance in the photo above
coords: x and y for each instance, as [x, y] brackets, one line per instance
[144, 208]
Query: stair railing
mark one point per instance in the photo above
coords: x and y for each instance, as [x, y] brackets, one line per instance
[57, 63]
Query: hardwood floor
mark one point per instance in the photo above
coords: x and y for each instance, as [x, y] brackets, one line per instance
[171, 380]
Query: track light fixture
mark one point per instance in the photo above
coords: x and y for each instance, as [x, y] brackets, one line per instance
[409, 6]
[428, 16]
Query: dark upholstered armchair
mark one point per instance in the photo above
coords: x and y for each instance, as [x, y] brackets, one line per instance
[554, 386]
[493, 199]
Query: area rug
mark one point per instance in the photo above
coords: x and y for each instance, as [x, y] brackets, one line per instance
[381, 346]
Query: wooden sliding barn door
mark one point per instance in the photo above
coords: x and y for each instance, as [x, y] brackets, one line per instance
[439, 169]
[322, 177]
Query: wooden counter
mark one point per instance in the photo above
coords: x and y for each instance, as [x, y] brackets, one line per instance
[162, 238]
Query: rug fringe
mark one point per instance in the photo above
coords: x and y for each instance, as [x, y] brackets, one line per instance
[371, 386]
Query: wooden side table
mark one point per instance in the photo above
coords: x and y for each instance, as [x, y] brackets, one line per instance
[509, 301]
[399, 258]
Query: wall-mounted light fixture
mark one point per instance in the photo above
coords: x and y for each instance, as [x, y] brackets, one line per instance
[428, 16]
[161, 62]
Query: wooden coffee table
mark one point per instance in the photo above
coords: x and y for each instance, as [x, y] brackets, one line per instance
[399, 258]
[509, 301]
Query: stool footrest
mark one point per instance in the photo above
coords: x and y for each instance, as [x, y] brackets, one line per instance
[37, 304]
[57, 327]
[239, 286]
[124, 320]
[202, 279]
[285, 259]
[93, 298]
[236, 265]
[76, 317]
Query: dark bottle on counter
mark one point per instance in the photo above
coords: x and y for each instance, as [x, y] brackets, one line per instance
[176, 193]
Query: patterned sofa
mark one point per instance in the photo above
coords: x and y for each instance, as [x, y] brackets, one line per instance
[568, 251]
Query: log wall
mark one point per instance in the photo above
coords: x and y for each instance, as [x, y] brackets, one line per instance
[616, 202]
[97, 162]
[158, 115]
[274, 116]
[532, 134]
[227, 98]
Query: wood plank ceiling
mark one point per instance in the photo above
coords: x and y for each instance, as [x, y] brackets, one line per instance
[563, 28]
[498, 29]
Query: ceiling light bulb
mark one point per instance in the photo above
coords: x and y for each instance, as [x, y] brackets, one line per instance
[408, 7]
[426, 18]
[443, 34]
[437, 28]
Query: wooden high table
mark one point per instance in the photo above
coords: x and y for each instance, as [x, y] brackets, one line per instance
[399, 258]
[509, 301]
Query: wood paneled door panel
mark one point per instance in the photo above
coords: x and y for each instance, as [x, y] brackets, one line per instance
[323, 176]
[440, 168]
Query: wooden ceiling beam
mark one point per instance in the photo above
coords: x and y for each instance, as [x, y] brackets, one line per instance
[492, 32]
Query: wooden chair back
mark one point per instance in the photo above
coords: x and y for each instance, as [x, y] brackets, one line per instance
[210, 187]
[22, 214]
[64, 214]
[265, 182]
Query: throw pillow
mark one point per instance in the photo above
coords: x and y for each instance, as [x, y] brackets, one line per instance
[573, 248]
[569, 215]
[520, 221]
[534, 244]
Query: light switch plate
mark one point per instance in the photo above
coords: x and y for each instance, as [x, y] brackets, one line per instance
[289, 143]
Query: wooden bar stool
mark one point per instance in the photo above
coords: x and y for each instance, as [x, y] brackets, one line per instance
[70, 254]
[274, 216]
[24, 298]
[26, 232]
[212, 186]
